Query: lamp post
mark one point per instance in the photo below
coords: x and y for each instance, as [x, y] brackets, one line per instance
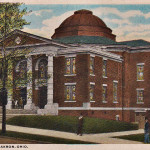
[3, 99]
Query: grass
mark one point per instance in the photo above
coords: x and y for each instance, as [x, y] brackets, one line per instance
[134, 137]
[70, 123]
[42, 139]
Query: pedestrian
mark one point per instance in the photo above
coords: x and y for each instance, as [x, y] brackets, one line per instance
[146, 131]
[80, 125]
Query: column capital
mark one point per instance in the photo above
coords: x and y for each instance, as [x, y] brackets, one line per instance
[50, 55]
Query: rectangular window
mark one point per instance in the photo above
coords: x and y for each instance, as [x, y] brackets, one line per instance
[104, 93]
[91, 92]
[140, 96]
[91, 65]
[140, 72]
[104, 68]
[70, 92]
[70, 66]
[115, 87]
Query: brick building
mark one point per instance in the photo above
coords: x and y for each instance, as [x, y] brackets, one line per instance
[82, 69]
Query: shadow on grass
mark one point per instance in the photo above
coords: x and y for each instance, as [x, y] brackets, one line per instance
[134, 137]
[42, 139]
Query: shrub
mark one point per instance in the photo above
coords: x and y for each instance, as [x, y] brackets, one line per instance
[70, 123]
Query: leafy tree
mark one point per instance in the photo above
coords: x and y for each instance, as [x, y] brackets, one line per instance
[11, 18]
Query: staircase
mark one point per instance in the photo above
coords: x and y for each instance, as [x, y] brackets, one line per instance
[16, 112]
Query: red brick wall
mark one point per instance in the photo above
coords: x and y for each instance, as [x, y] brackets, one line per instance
[134, 84]
[109, 114]
[83, 79]
[114, 72]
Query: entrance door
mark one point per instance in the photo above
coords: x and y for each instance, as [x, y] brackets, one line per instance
[42, 97]
[140, 118]
[23, 96]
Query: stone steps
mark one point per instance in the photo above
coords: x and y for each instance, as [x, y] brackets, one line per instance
[18, 111]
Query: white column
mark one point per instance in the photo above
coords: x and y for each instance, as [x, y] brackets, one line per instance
[50, 80]
[50, 107]
[9, 85]
[29, 104]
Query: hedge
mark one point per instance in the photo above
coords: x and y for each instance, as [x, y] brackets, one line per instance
[70, 123]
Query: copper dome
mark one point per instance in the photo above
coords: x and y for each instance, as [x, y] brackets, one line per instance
[83, 23]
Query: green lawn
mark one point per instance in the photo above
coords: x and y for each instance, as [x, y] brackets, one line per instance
[70, 123]
[43, 139]
[134, 137]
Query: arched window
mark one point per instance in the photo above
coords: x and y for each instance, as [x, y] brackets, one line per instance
[42, 69]
[23, 69]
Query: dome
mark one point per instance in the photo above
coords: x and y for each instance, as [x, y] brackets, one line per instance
[83, 23]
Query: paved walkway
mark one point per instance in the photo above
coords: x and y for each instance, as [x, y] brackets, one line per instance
[103, 138]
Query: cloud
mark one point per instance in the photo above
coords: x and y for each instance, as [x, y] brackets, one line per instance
[49, 25]
[39, 12]
[126, 29]
[120, 23]
[124, 15]
[140, 31]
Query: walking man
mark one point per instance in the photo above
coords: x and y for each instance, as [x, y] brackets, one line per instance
[146, 131]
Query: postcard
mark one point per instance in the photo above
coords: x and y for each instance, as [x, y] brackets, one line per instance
[74, 74]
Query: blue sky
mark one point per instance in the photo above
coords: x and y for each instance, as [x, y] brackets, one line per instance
[128, 22]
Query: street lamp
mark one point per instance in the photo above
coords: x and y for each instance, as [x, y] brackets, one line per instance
[3, 99]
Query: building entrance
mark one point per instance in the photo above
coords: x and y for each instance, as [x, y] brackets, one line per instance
[23, 96]
[20, 98]
[42, 97]
[140, 118]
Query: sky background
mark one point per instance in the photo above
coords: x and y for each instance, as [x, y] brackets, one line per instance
[128, 22]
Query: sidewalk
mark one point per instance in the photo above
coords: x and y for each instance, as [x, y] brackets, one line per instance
[102, 138]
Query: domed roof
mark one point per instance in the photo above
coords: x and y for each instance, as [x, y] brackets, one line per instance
[83, 23]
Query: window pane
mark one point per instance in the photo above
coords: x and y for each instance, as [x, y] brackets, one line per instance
[74, 65]
[70, 66]
[91, 65]
[104, 68]
[140, 94]
[115, 91]
[70, 92]
[91, 92]
[73, 93]
[67, 93]
[104, 93]
[140, 74]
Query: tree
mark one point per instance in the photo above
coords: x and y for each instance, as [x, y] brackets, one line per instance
[11, 18]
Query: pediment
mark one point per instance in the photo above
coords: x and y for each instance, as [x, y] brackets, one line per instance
[20, 38]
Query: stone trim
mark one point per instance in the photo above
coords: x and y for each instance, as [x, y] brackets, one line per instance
[115, 81]
[70, 83]
[92, 51]
[68, 75]
[140, 89]
[70, 101]
[103, 108]
[92, 83]
[18, 64]
[70, 55]
[139, 64]
[38, 61]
